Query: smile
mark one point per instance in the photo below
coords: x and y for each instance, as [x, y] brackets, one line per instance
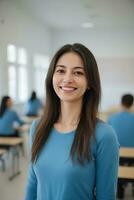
[68, 89]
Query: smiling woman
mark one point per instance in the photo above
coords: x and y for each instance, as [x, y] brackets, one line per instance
[69, 79]
[70, 146]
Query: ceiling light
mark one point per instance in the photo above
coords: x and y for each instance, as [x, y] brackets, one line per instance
[87, 25]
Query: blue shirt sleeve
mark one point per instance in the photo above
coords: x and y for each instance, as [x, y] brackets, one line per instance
[107, 160]
[17, 118]
[31, 188]
[110, 119]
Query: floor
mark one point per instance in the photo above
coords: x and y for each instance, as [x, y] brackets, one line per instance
[15, 189]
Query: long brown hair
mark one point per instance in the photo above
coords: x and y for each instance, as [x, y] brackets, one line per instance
[88, 117]
[4, 106]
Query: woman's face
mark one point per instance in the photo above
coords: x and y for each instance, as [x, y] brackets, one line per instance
[9, 103]
[69, 78]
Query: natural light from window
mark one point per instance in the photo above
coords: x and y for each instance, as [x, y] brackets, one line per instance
[17, 73]
[41, 64]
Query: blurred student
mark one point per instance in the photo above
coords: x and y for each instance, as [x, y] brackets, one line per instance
[123, 122]
[33, 105]
[9, 119]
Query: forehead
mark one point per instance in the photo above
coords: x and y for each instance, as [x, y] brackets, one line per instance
[9, 99]
[71, 59]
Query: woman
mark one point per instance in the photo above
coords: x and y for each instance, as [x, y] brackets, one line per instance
[74, 154]
[33, 106]
[9, 119]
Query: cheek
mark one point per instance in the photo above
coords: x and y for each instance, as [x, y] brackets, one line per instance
[85, 84]
[55, 82]
[56, 79]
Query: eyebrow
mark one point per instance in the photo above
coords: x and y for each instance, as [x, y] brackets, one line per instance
[76, 67]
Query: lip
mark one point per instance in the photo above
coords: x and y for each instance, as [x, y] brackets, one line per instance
[68, 88]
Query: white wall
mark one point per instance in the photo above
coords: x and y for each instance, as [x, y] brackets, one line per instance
[102, 42]
[23, 31]
[117, 78]
[114, 51]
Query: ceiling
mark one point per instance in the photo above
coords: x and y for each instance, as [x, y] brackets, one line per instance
[72, 13]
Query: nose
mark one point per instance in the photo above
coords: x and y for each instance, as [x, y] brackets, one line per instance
[68, 78]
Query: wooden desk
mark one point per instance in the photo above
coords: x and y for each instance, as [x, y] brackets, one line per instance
[127, 152]
[103, 116]
[126, 173]
[127, 156]
[12, 144]
[24, 128]
[10, 141]
[29, 120]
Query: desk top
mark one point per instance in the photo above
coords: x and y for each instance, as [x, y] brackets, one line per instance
[126, 172]
[127, 152]
[24, 128]
[12, 141]
[29, 120]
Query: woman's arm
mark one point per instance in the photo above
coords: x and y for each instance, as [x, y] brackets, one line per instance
[31, 188]
[17, 118]
[107, 160]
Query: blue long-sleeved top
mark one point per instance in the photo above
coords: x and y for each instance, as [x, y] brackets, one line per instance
[33, 107]
[123, 123]
[7, 121]
[55, 177]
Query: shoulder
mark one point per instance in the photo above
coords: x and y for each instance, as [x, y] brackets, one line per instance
[115, 115]
[11, 112]
[131, 114]
[104, 132]
[34, 126]
[33, 129]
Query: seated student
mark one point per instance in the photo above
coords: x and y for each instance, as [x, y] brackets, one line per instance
[8, 119]
[123, 122]
[33, 105]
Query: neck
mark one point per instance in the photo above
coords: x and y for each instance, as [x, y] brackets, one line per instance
[126, 109]
[70, 113]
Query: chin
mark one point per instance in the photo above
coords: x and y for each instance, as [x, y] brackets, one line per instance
[63, 99]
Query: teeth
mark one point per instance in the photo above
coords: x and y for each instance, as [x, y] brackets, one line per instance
[68, 88]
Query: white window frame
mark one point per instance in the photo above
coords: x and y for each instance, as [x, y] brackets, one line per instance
[17, 64]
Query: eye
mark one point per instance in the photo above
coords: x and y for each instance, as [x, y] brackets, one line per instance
[60, 71]
[79, 73]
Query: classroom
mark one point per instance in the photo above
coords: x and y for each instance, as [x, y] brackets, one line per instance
[43, 41]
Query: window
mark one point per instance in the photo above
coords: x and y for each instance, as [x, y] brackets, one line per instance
[11, 53]
[12, 81]
[22, 86]
[22, 56]
[17, 73]
[41, 64]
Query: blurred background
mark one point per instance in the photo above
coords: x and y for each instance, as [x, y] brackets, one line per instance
[31, 31]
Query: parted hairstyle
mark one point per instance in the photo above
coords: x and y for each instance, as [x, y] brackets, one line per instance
[3, 105]
[80, 150]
